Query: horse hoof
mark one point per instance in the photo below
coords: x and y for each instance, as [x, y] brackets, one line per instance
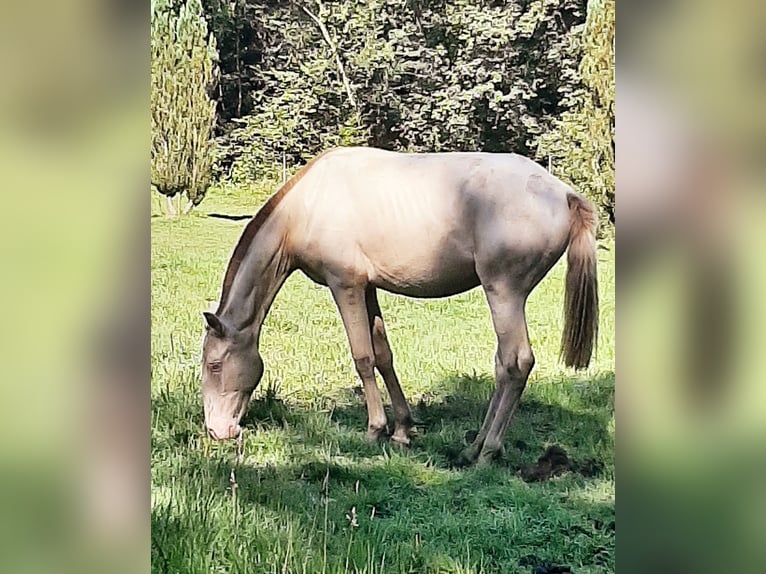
[375, 436]
[485, 460]
[401, 439]
[487, 457]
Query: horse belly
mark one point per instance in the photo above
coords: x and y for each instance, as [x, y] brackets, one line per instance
[423, 273]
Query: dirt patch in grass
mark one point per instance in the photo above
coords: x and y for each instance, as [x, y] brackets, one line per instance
[553, 462]
[556, 461]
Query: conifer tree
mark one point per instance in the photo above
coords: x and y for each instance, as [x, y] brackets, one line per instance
[184, 69]
[581, 146]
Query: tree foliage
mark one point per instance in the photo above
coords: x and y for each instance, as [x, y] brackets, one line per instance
[425, 75]
[582, 143]
[183, 114]
[530, 76]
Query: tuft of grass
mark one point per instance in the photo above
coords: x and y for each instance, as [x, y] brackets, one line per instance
[304, 493]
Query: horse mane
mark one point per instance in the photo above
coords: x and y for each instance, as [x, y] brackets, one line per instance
[255, 224]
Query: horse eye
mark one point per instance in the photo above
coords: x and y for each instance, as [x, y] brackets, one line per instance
[215, 367]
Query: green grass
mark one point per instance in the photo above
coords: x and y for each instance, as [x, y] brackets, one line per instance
[307, 494]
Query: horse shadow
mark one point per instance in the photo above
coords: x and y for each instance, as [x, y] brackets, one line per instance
[395, 494]
[446, 426]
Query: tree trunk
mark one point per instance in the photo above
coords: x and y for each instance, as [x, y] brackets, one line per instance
[334, 50]
[170, 207]
[239, 81]
[189, 207]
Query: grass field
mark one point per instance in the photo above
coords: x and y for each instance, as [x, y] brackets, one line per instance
[305, 493]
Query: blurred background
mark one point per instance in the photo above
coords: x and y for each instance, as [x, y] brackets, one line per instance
[690, 224]
[691, 87]
[74, 152]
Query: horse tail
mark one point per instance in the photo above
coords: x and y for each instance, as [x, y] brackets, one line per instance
[581, 297]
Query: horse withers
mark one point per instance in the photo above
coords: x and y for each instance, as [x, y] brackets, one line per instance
[423, 225]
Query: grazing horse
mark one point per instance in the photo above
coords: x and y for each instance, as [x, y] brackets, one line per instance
[423, 225]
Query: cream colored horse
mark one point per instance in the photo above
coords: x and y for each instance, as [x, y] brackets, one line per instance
[422, 225]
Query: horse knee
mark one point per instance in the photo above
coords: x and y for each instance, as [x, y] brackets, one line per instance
[517, 364]
[525, 361]
[365, 367]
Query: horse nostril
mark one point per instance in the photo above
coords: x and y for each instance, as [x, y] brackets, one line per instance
[211, 433]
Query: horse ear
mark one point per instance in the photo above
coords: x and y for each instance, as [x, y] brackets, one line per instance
[214, 324]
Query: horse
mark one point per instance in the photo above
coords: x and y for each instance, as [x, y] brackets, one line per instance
[422, 225]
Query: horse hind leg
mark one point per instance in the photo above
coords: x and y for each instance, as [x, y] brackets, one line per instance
[470, 454]
[512, 370]
[513, 363]
[384, 362]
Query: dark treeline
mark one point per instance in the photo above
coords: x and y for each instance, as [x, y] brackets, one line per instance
[297, 77]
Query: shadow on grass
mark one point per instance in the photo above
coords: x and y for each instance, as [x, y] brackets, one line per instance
[447, 425]
[229, 217]
[330, 493]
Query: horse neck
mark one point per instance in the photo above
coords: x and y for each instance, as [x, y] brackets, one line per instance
[260, 276]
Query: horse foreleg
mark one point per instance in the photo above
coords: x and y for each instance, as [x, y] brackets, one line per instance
[384, 362]
[353, 312]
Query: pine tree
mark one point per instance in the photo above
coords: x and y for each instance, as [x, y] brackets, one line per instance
[184, 69]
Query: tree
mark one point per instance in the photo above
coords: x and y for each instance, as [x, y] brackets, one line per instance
[581, 145]
[183, 114]
[417, 75]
